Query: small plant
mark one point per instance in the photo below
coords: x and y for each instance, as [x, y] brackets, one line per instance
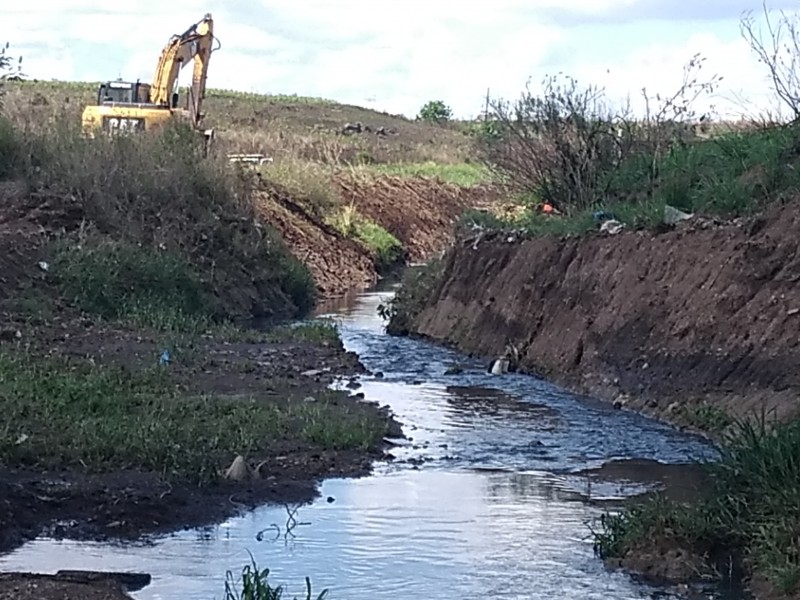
[749, 510]
[435, 111]
[253, 585]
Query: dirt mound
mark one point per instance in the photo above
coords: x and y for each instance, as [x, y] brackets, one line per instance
[420, 212]
[698, 314]
[337, 263]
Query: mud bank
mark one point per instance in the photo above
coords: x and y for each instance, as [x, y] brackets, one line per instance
[706, 314]
[420, 213]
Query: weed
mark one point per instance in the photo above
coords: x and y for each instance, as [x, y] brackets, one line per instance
[253, 585]
[157, 193]
[120, 280]
[707, 417]
[416, 290]
[62, 413]
[751, 507]
[317, 332]
[387, 249]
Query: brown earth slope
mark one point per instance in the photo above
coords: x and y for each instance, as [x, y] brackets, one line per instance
[704, 313]
[421, 213]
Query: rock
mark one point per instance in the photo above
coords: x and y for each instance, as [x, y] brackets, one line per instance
[239, 470]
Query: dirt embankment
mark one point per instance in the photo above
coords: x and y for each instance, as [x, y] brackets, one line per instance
[663, 323]
[280, 371]
[420, 213]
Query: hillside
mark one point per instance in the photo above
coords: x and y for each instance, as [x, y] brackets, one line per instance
[321, 177]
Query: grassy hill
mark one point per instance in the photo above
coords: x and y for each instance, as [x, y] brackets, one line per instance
[291, 128]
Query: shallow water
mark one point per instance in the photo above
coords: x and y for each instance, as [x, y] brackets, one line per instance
[482, 501]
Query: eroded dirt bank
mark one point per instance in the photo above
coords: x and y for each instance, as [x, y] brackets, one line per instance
[420, 213]
[662, 322]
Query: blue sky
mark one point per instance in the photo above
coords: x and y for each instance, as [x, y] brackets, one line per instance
[396, 54]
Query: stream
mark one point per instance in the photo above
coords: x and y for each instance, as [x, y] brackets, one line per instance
[484, 500]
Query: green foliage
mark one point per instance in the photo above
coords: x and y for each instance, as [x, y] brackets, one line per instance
[435, 111]
[120, 280]
[60, 414]
[253, 585]
[730, 175]
[752, 507]
[416, 290]
[461, 174]
[387, 249]
[156, 191]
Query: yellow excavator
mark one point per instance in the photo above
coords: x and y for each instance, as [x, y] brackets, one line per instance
[124, 106]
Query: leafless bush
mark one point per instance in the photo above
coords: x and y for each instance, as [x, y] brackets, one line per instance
[779, 51]
[566, 143]
[10, 68]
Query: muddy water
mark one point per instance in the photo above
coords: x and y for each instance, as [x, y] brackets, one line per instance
[484, 500]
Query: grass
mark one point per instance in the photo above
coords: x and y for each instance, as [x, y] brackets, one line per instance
[278, 125]
[74, 414]
[461, 174]
[733, 174]
[751, 510]
[150, 222]
[253, 584]
[386, 248]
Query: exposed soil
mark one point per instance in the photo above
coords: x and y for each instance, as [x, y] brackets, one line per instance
[29, 586]
[704, 314]
[420, 213]
[128, 504]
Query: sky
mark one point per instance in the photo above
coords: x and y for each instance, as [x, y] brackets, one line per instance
[395, 55]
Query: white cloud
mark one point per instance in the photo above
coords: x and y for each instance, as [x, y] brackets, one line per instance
[400, 54]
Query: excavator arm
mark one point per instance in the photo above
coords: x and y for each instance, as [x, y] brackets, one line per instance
[193, 44]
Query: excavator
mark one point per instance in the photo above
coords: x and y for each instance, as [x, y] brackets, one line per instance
[124, 106]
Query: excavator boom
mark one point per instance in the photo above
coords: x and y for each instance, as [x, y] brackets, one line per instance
[193, 44]
[138, 106]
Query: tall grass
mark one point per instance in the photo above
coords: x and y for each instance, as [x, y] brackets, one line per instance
[730, 175]
[157, 193]
[60, 413]
[752, 509]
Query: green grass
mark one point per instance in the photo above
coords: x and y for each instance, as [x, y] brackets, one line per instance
[752, 507]
[121, 281]
[387, 249]
[461, 174]
[70, 414]
[253, 584]
[731, 175]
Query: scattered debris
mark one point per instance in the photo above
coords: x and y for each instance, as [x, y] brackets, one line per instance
[672, 215]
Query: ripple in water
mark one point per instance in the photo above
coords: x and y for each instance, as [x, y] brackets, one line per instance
[494, 511]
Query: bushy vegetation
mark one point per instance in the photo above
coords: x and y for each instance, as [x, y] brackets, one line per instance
[415, 292]
[435, 111]
[751, 512]
[61, 413]
[387, 249]
[185, 235]
[568, 146]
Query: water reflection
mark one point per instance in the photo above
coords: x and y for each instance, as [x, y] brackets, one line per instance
[482, 502]
[427, 534]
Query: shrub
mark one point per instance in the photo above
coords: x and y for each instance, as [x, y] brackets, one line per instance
[435, 111]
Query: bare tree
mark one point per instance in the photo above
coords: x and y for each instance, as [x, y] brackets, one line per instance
[10, 68]
[779, 50]
[672, 120]
[567, 143]
[561, 143]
